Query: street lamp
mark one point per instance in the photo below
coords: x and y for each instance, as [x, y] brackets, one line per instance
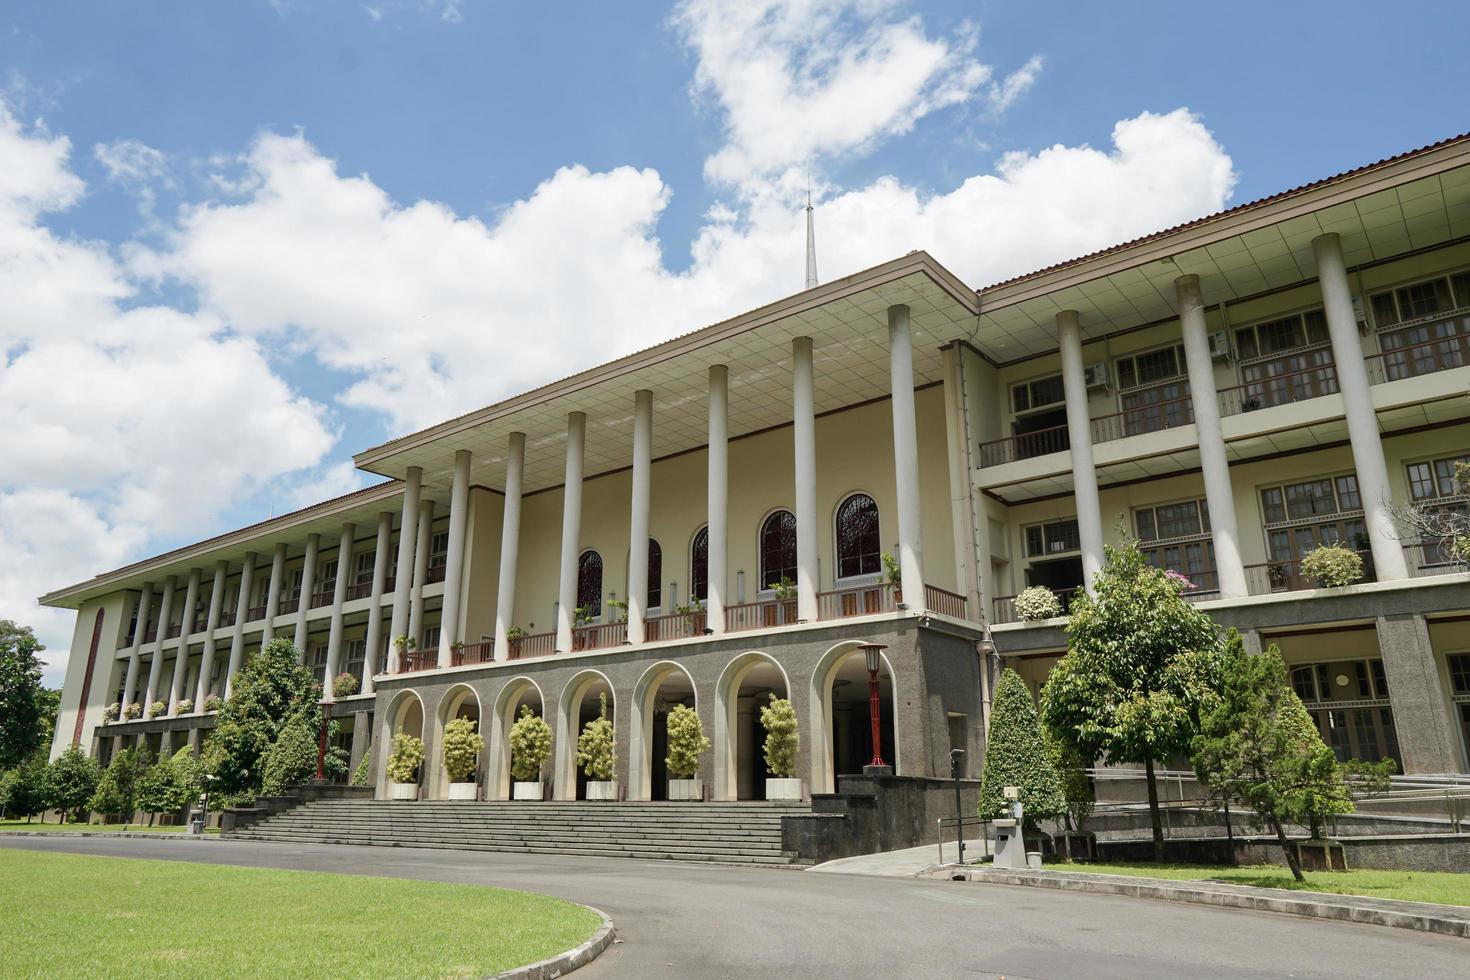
[321, 746]
[873, 653]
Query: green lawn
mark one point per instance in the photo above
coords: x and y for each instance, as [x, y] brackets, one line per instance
[1444, 887]
[36, 825]
[73, 915]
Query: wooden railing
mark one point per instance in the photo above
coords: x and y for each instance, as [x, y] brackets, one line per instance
[319, 599]
[1283, 389]
[1005, 605]
[201, 624]
[172, 632]
[945, 603]
[760, 615]
[473, 653]
[389, 584]
[531, 645]
[150, 634]
[416, 660]
[1143, 419]
[289, 606]
[254, 613]
[360, 591]
[1042, 442]
[434, 573]
[1435, 557]
[1286, 576]
[599, 636]
[227, 617]
[675, 626]
[861, 600]
[1419, 359]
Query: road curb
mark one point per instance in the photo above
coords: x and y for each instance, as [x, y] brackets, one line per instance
[140, 835]
[1442, 920]
[557, 966]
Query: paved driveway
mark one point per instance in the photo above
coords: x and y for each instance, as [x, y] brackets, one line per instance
[683, 920]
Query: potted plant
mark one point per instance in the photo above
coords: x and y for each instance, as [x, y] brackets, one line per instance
[1037, 603]
[403, 766]
[403, 644]
[344, 685]
[110, 713]
[785, 593]
[619, 608]
[1332, 566]
[530, 747]
[894, 574]
[595, 755]
[687, 742]
[186, 705]
[132, 711]
[782, 740]
[212, 702]
[462, 748]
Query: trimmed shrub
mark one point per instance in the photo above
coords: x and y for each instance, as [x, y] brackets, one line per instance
[290, 759]
[778, 718]
[156, 708]
[462, 748]
[344, 685]
[212, 702]
[360, 774]
[110, 713]
[530, 745]
[134, 710]
[23, 790]
[595, 745]
[117, 790]
[687, 742]
[1332, 566]
[186, 705]
[1015, 755]
[1036, 603]
[404, 759]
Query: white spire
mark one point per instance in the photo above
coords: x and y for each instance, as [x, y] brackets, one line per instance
[811, 238]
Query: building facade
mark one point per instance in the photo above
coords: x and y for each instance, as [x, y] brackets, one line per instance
[739, 513]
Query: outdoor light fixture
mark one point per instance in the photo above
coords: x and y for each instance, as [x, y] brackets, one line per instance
[873, 653]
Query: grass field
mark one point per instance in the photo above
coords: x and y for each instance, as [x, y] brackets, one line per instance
[81, 916]
[63, 828]
[1443, 887]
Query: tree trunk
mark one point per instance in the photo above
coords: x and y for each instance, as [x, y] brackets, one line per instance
[1291, 861]
[1153, 810]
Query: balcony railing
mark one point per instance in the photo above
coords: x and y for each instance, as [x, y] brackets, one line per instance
[434, 573]
[760, 615]
[1283, 389]
[597, 636]
[1028, 445]
[531, 645]
[150, 634]
[288, 606]
[1419, 359]
[675, 626]
[325, 598]
[360, 591]
[416, 660]
[946, 603]
[1005, 605]
[254, 613]
[473, 653]
[1143, 419]
[1286, 576]
[227, 617]
[1431, 558]
[390, 583]
[172, 633]
[862, 600]
[201, 624]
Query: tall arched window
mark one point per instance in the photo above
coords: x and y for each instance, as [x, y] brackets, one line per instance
[589, 583]
[859, 551]
[778, 548]
[699, 566]
[655, 574]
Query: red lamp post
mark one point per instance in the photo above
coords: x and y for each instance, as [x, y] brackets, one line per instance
[873, 653]
[321, 747]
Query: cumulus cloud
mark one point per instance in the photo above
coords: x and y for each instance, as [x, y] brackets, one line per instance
[137, 167]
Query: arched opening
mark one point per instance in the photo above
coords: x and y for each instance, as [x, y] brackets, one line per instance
[660, 688]
[699, 565]
[859, 543]
[778, 549]
[460, 702]
[516, 692]
[580, 702]
[748, 684]
[589, 584]
[404, 716]
[840, 723]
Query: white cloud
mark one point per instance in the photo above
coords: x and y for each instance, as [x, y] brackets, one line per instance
[137, 167]
[1002, 95]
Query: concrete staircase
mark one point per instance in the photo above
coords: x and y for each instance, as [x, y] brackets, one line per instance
[740, 833]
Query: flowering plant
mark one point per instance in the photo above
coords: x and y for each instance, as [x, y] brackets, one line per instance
[1037, 603]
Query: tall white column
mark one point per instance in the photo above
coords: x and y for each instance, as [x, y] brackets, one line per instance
[804, 428]
[1214, 465]
[510, 544]
[571, 531]
[906, 457]
[638, 520]
[140, 627]
[155, 667]
[242, 609]
[719, 489]
[403, 577]
[216, 604]
[374, 641]
[273, 594]
[1362, 420]
[1079, 429]
[339, 596]
[186, 627]
[308, 586]
[422, 539]
[459, 504]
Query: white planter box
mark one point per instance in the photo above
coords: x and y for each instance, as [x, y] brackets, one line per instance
[783, 789]
[403, 791]
[463, 791]
[599, 789]
[525, 791]
[686, 789]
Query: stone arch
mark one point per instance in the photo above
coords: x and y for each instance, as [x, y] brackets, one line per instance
[838, 660]
[763, 669]
[642, 759]
[460, 701]
[515, 692]
[571, 708]
[404, 714]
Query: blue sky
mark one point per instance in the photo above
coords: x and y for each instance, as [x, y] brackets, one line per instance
[347, 213]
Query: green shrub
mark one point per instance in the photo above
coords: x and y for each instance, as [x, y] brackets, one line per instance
[1015, 755]
[405, 758]
[360, 774]
[462, 748]
[132, 711]
[23, 789]
[530, 745]
[212, 702]
[782, 739]
[344, 685]
[117, 790]
[186, 705]
[1332, 566]
[595, 745]
[291, 758]
[156, 708]
[687, 742]
[110, 713]
[1036, 603]
[71, 779]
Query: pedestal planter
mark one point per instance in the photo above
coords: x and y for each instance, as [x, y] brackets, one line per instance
[463, 791]
[525, 791]
[783, 789]
[602, 789]
[685, 789]
[403, 791]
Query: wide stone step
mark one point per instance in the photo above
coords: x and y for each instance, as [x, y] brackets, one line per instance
[650, 853]
[620, 840]
[683, 825]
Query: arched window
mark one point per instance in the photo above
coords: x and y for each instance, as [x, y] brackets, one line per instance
[699, 566]
[778, 548]
[655, 574]
[858, 549]
[589, 583]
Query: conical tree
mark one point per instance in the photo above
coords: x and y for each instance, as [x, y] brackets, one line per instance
[1015, 755]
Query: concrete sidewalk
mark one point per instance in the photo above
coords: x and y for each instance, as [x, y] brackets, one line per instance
[907, 863]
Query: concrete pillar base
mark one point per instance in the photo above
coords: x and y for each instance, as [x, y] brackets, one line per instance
[1421, 712]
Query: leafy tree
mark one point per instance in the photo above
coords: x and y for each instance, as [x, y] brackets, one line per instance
[530, 745]
[23, 789]
[1259, 745]
[71, 779]
[1071, 771]
[50, 710]
[291, 758]
[1016, 756]
[687, 742]
[272, 692]
[117, 790]
[595, 745]
[26, 709]
[778, 718]
[1140, 667]
[462, 748]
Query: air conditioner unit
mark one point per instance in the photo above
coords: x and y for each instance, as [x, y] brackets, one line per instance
[1219, 344]
[1096, 375]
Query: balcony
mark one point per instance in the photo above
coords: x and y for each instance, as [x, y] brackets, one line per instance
[1005, 605]
[359, 591]
[320, 599]
[473, 653]
[413, 661]
[598, 636]
[1143, 419]
[434, 573]
[254, 613]
[201, 624]
[1027, 445]
[1419, 359]
[675, 626]
[227, 617]
[172, 633]
[150, 634]
[1270, 577]
[530, 645]
[289, 605]
[1283, 389]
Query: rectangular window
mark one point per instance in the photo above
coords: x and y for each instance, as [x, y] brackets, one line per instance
[1030, 395]
[1460, 672]
[431, 638]
[328, 580]
[1421, 481]
[438, 549]
[1150, 367]
[293, 589]
[363, 566]
[1051, 539]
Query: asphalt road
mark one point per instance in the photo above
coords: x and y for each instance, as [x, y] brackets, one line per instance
[684, 920]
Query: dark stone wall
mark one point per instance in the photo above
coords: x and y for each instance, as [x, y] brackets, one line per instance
[869, 814]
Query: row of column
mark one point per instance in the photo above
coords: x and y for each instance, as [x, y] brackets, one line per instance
[1362, 424]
